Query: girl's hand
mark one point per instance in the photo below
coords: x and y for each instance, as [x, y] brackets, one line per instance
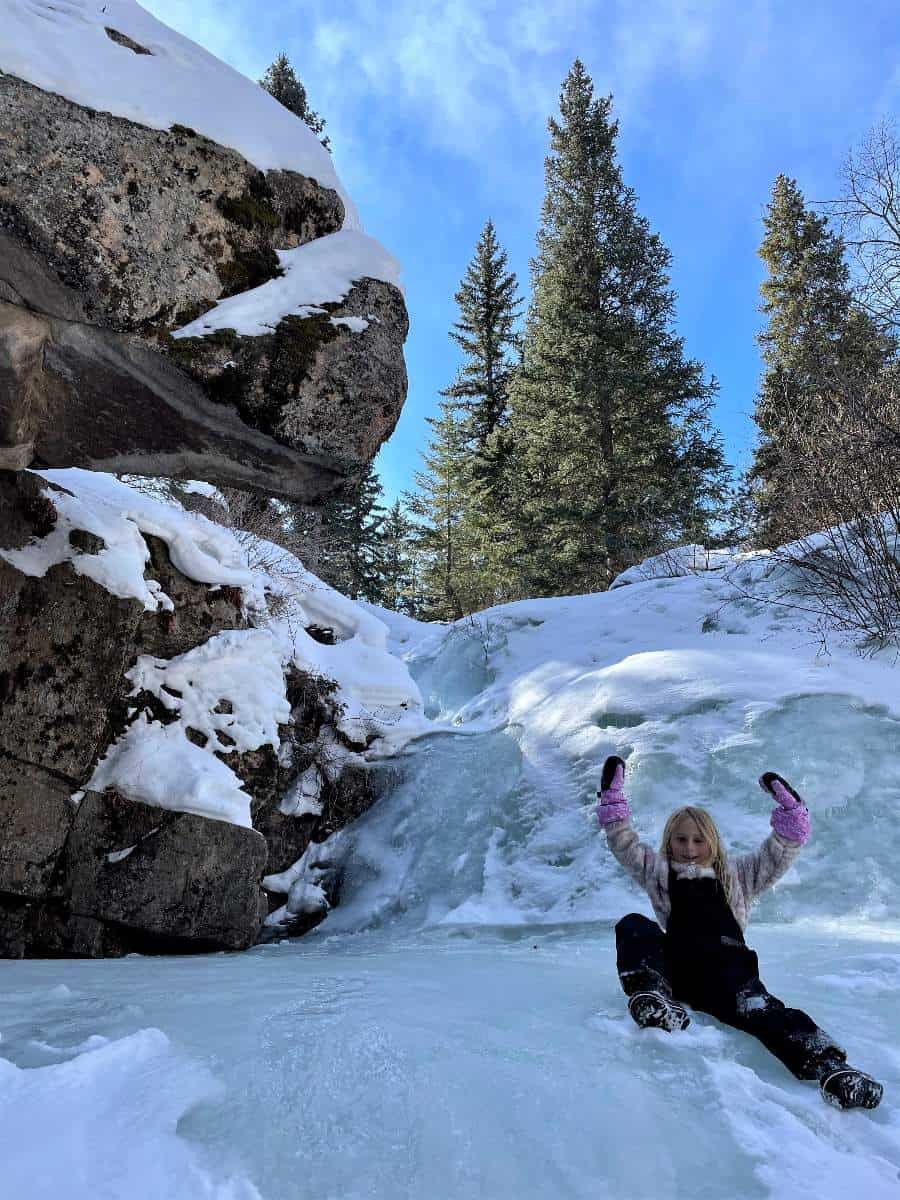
[613, 804]
[790, 818]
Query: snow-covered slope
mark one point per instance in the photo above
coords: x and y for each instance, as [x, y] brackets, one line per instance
[63, 46]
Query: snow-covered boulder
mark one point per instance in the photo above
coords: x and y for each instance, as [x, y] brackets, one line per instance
[166, 743]
[146, 182]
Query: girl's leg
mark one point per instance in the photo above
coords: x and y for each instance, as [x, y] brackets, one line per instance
[641, 961]
[640, 956]
[789, 1033]
[807, 1051]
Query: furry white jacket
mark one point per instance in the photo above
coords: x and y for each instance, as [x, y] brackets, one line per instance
[750, 874]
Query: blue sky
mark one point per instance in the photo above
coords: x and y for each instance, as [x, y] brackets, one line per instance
[437, 114]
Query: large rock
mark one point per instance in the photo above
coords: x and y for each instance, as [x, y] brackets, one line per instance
[303, 383]
[175, 876]
[67, 887]
[150, 227]
[64, 644]
[114, 235]
[76, 394]
[36, 816]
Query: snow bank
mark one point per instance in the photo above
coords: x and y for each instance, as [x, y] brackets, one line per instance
[120, 514]
[157, 765]
[62, 46]
[321, 272]
[671, 564]
[102, 1126]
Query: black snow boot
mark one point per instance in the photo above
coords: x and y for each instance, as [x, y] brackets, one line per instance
[652, 1010]
[845, 1087]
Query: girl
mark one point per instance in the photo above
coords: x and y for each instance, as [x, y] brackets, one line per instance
[701, 901]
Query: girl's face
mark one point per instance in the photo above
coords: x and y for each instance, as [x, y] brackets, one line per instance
[687, 843]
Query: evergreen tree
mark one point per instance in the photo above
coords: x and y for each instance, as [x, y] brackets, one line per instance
[398, 589]
[613, 454]
[439, 505]
[351, 532]
[817, 345]
[280, 81]
[485, 332]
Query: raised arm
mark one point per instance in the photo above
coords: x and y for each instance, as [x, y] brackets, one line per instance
[791, 825]
[614, 815]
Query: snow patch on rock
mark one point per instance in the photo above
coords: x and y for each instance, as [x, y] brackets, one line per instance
[320, 272]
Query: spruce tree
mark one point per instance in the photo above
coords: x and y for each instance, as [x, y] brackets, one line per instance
[440, 538]
[398, 585]
[280, 81]
[613, 453]
[816, 347]
[488, 304]
[351, 533]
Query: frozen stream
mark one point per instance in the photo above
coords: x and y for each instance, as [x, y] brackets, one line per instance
[442, 1065]
[455, 1030]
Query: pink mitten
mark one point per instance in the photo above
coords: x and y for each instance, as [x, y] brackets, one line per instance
[790, 819]
[613, 804]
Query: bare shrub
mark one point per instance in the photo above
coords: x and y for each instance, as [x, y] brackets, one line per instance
[869, 215]
[841, 484]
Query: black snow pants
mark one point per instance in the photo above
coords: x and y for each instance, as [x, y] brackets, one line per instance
[702, 961]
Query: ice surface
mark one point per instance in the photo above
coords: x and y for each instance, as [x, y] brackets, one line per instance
[448, 1065]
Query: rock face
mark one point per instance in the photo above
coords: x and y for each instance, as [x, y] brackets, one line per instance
[102, 874]
[277, 382]
[115, 235]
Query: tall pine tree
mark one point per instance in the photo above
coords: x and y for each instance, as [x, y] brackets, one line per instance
[280, 81]
[489, 306]
[817, 345]
[613, 453]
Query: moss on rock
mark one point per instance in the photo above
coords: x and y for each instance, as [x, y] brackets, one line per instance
[248, 269]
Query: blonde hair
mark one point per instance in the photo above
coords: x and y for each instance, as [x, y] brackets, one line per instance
[707, 826]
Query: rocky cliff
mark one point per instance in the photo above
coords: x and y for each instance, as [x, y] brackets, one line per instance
[178, 727]
[112, 236]
[172, 744]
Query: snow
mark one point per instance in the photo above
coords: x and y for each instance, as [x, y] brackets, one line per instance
[242, 668]
[303, 797]
[320, 272]
[156, 764]
[354, 324]
[120, 514]
[455, 1025]
[110, 1115]
[62, 46]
